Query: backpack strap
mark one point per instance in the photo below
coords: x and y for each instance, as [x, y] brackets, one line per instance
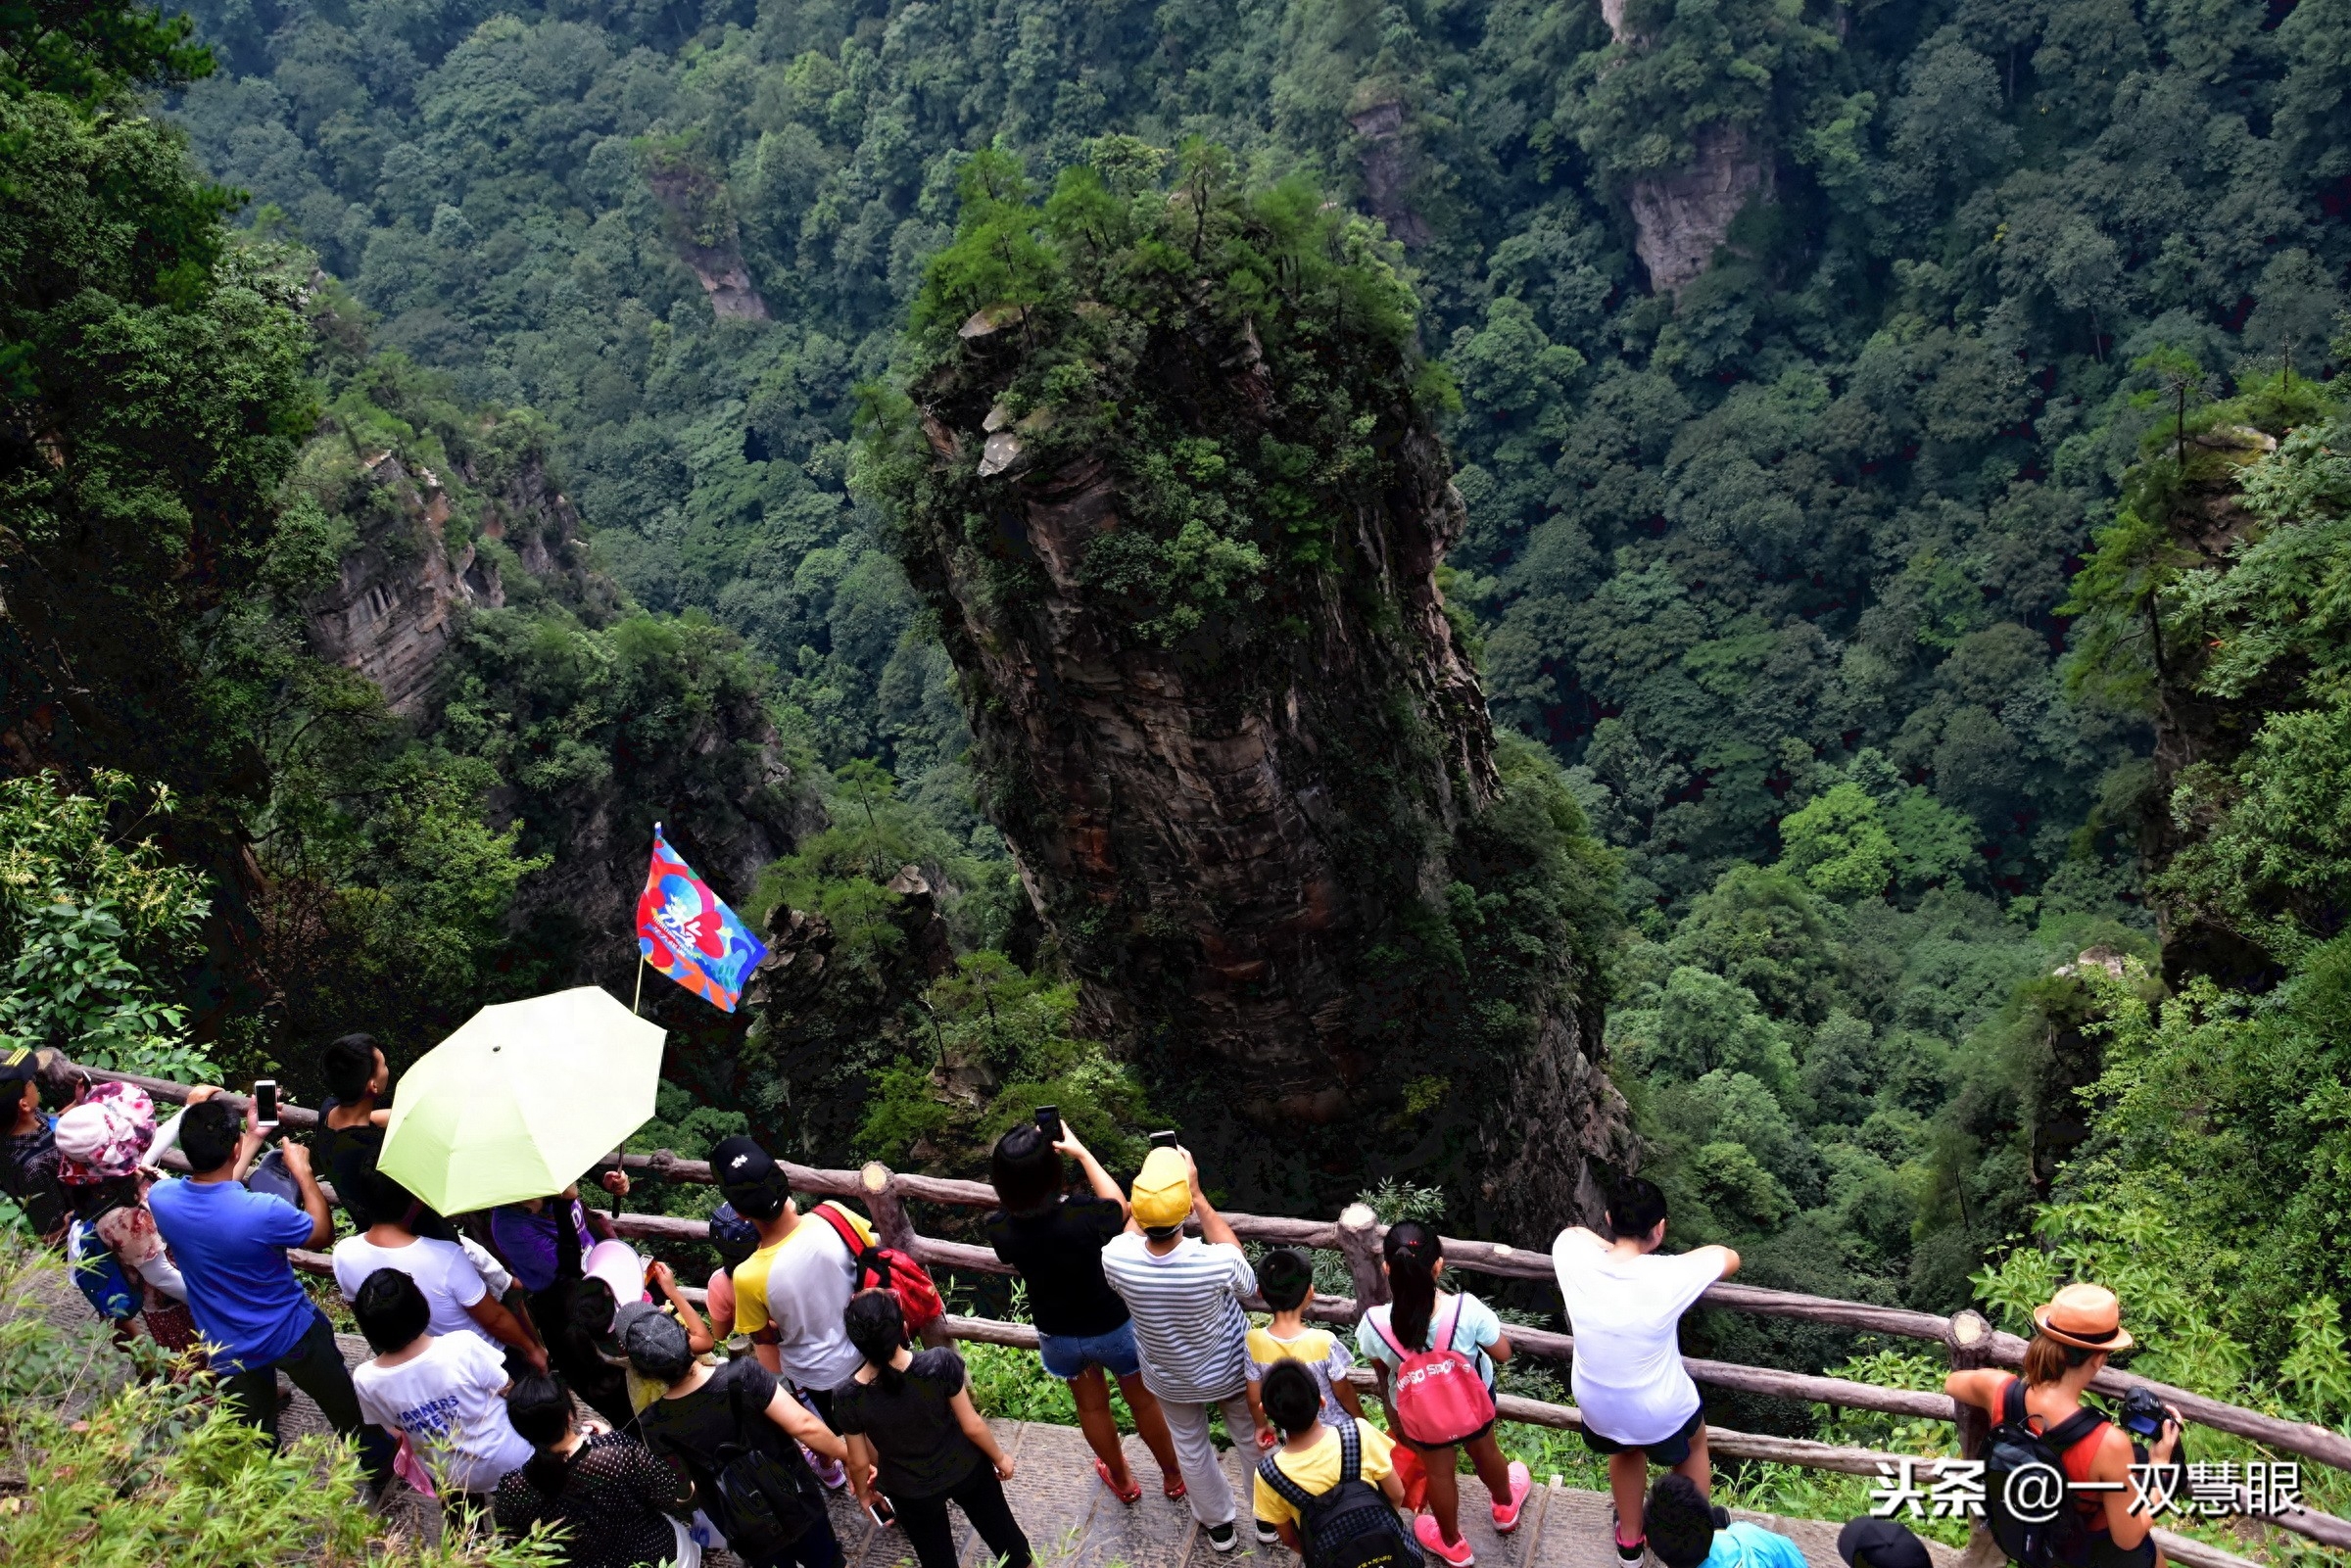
[1289, 1491]
[1453, 1327]
[2073, 1429]
[2012, 1402]
[1385, 1328]
[839, 1219]
[1351, 1455]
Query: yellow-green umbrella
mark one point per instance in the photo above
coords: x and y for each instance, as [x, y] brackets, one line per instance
[521, 1099]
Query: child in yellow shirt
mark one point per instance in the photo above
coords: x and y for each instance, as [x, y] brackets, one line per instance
[1294, 1481]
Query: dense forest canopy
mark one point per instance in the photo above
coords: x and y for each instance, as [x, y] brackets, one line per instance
[1899, 452]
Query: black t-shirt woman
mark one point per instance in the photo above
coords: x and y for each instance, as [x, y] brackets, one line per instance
[1083, 1330]
[617, 1504]
[912, 1430]
[705, 1413]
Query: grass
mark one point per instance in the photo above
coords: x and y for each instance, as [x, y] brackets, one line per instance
[122, 1466]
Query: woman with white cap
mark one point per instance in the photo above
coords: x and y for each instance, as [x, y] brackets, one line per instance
[2077, 1330]
[101, 1144]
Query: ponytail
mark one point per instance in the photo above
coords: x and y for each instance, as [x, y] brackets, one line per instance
[542, 1413]
[1412, 1249]
[877, 1328]
[2048, 1361]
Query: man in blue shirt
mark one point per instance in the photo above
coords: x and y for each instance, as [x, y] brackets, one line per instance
[230, 1245]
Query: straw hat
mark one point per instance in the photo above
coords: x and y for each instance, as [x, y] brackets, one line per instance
[2088, 1317]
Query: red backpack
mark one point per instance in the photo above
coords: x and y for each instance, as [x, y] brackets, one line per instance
[1439, 1397]
[890, 1269]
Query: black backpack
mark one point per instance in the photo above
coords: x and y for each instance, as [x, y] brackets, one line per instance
[1350, 1526]
[2034, 1542]
[762, 1502]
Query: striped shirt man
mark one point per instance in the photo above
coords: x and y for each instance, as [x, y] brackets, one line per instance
[1189, 1322]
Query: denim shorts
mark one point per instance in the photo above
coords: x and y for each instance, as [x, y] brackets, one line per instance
[1067, 1354]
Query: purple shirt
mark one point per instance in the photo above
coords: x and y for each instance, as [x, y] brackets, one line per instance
[531, 1243]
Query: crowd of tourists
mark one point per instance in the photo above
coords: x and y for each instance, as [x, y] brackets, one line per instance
[530, 1368]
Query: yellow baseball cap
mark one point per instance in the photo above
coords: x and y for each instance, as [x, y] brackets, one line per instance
[1163, 1191]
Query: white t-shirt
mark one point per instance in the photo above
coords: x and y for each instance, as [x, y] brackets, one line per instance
[448, 1400]
[1626, 1314]
[441, 1269]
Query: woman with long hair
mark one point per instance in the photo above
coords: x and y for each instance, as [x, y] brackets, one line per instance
[618, 1504]
[1418, 1319]
[2077, 1331]
[912, 1431]
[1084, 1333]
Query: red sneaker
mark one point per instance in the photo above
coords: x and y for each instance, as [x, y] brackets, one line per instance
[1459, 1554]
[1505, 1515]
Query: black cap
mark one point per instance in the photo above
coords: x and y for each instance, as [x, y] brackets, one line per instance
[737, 1161]
[1881, 1543]
[18, 1063]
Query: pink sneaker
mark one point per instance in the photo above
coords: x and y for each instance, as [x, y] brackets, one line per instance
[1505, 1514]
[1458, 1555]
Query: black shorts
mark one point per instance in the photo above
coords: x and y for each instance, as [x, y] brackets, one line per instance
[2104, 1553]
[1443, 1447]
[1667, 1451]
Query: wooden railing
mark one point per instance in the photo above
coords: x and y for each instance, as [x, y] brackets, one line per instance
[1967, 1337]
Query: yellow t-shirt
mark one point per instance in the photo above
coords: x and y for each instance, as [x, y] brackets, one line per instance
[1319, 1351]
[802, 1285]
[1317, 1470]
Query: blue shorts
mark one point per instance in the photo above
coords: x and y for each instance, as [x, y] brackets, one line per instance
[1067, 1355]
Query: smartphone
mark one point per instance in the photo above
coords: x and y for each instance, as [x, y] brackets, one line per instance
[264, 1104]
[1048, 1122]
[1163, 1140]
[881, 1512]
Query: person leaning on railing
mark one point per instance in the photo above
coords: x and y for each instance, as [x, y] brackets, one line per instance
[2077, 1331]
[1625, 1301]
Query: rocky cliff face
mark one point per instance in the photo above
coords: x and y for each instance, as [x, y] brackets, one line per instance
[400, 595]
[1681, 217]
[2206, 526]
[1257, 840]
[701, 224]
[394, 613]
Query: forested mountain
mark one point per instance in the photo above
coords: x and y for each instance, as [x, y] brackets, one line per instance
[1798, 352]
[1789, 358]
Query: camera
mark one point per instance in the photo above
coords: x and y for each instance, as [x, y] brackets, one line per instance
[2144, 1416]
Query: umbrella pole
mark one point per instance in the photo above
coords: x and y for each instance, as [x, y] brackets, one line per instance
[635, 1003]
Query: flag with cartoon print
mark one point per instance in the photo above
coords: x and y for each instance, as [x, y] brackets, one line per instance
[687, 931]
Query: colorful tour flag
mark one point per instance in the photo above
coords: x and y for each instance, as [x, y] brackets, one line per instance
[687, 931]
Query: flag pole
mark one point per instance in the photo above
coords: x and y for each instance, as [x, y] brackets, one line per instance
[636, 1003]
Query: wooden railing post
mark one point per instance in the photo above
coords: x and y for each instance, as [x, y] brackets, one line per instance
[890, 1223]
[1969, 1339]
[1359, 1241]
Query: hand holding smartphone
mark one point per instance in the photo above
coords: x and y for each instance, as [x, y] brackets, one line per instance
[1048, 1122]
[877, 1509]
